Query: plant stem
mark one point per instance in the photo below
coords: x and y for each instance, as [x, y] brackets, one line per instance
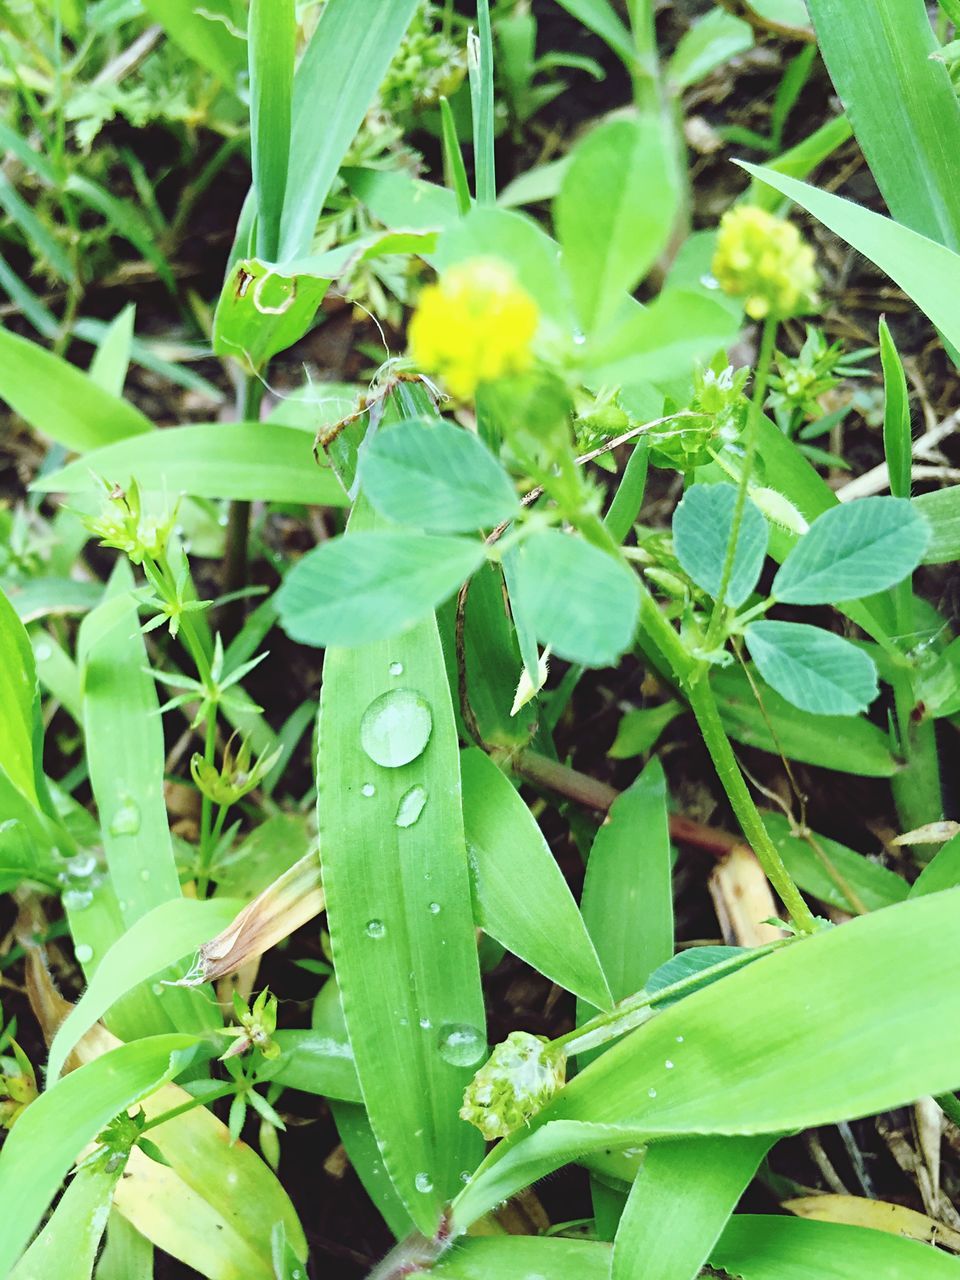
[238, 522]
[916, 787]
[764, 359]
[206, 804]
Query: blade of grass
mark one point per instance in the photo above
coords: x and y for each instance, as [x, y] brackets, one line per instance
[480, 68]
[108, 368]
[453, 166]
[398, 904]
[67, 1245]
[272, 35]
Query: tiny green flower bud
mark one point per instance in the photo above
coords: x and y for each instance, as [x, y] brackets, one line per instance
[764, 260]
[235, 777]
[123, 524]
[519, 1079]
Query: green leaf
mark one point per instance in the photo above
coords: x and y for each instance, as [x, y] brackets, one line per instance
[941, 510]
[111, 360]
[338, 76]
[814, 669]
[702, 529]
[757, 1054]
[679, 1203]
[581, 601]
[853, 550]
[710, 42]
[59, 400]
[600, 17]
[523, 1257]
[249, 461]
[845, 743]
[638, 731]
[520, 895]
[615, 211]
[371, 585]
[216, 42]
[897, 436]
[67, 1246]
[127, 1255]
[769, 1248]
[18, 702]
[628, 890]
[941, 872]
[53, 1131]
[398, 899]
[272, 47]
[480, 73]
[832, 872]
[360, 1144]
[170, 932]
[926, 271]
[264, 309]
[436, 476]
[898, 94]
[317, 1063]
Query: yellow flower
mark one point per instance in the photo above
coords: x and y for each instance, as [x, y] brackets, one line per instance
[476, 324]
[764, 260]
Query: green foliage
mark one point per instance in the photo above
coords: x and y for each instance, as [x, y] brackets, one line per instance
[702, 527]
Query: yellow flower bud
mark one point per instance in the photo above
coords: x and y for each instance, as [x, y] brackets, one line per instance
[476, 324]
[764, 259]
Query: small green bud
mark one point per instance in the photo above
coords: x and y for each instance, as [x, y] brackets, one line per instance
[235, 777]
[17, 1089]
[519, 1079]
[123, 524]
[257, 1025]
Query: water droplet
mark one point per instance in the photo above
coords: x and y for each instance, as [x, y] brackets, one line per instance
[43, 651]
[668, 1064]
[84, 953]
[425, 1024]
[82, 865]
[396, 728]
[411, 806]
[158, 988]
[460, 1044]
[126, 820]
[77, 899]
[679, 1039]
[651, 1093]
[579, 338]
[466, 1176]
[434, 908]
[375, 929]
[404, 1022]
[368, 790]
[709, 282]
[145, 875]
[423, 1184]
[396, 668]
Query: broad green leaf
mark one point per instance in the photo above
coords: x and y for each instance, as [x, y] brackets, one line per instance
[338, 76]
[581, 601]
[814, 669]
[171, 932]
[371, 585]
[398, 899]
[691, 962]
[615, 211]
[272, 46]
[711, 41]
[520, 242]
[941, 509]
[397, 199]
[438, 477]
[941, 872]
[127, 1255]
[520, 895]
[897, 436]
[679, 1203]
[702, 529]
[600, 17]
[523, 1257]
[493, 663]
[317, 1063]
[845, 743]
[213, 37]
[832, 872]
[926, 271]
[18, 702]
[662, 341]
[361, 1147]
[638, 731]
[52, 1132]
[264, 309]
[756, 1053]
[853, 550]
[60, 401]
[898, 94]
[111, 360]
[248, 461]
[67, 1245]
[780, 1248]
[628, 891]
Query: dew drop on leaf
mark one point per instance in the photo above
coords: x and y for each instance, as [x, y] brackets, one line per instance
[375, 929]
[423, 1184]
[84, 864]
[368, 789]
[43, 651]
[396, 668]
[411, 806]
[126, 820]
[461, 1044]
[651, 1093]
[77, 899]
[396, 728]
[668, 1064]
[434, 908]
[84, 953]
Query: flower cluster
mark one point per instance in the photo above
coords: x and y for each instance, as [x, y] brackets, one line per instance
[764, 260]
[519, 1079]
[475, 325]
[236, 776]
[123, 524]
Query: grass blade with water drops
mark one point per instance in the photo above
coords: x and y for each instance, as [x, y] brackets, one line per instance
[398, 903]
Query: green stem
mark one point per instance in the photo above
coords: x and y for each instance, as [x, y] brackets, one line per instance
[238, 521]
[204, 1101]
[206, 806]
[764, 360]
